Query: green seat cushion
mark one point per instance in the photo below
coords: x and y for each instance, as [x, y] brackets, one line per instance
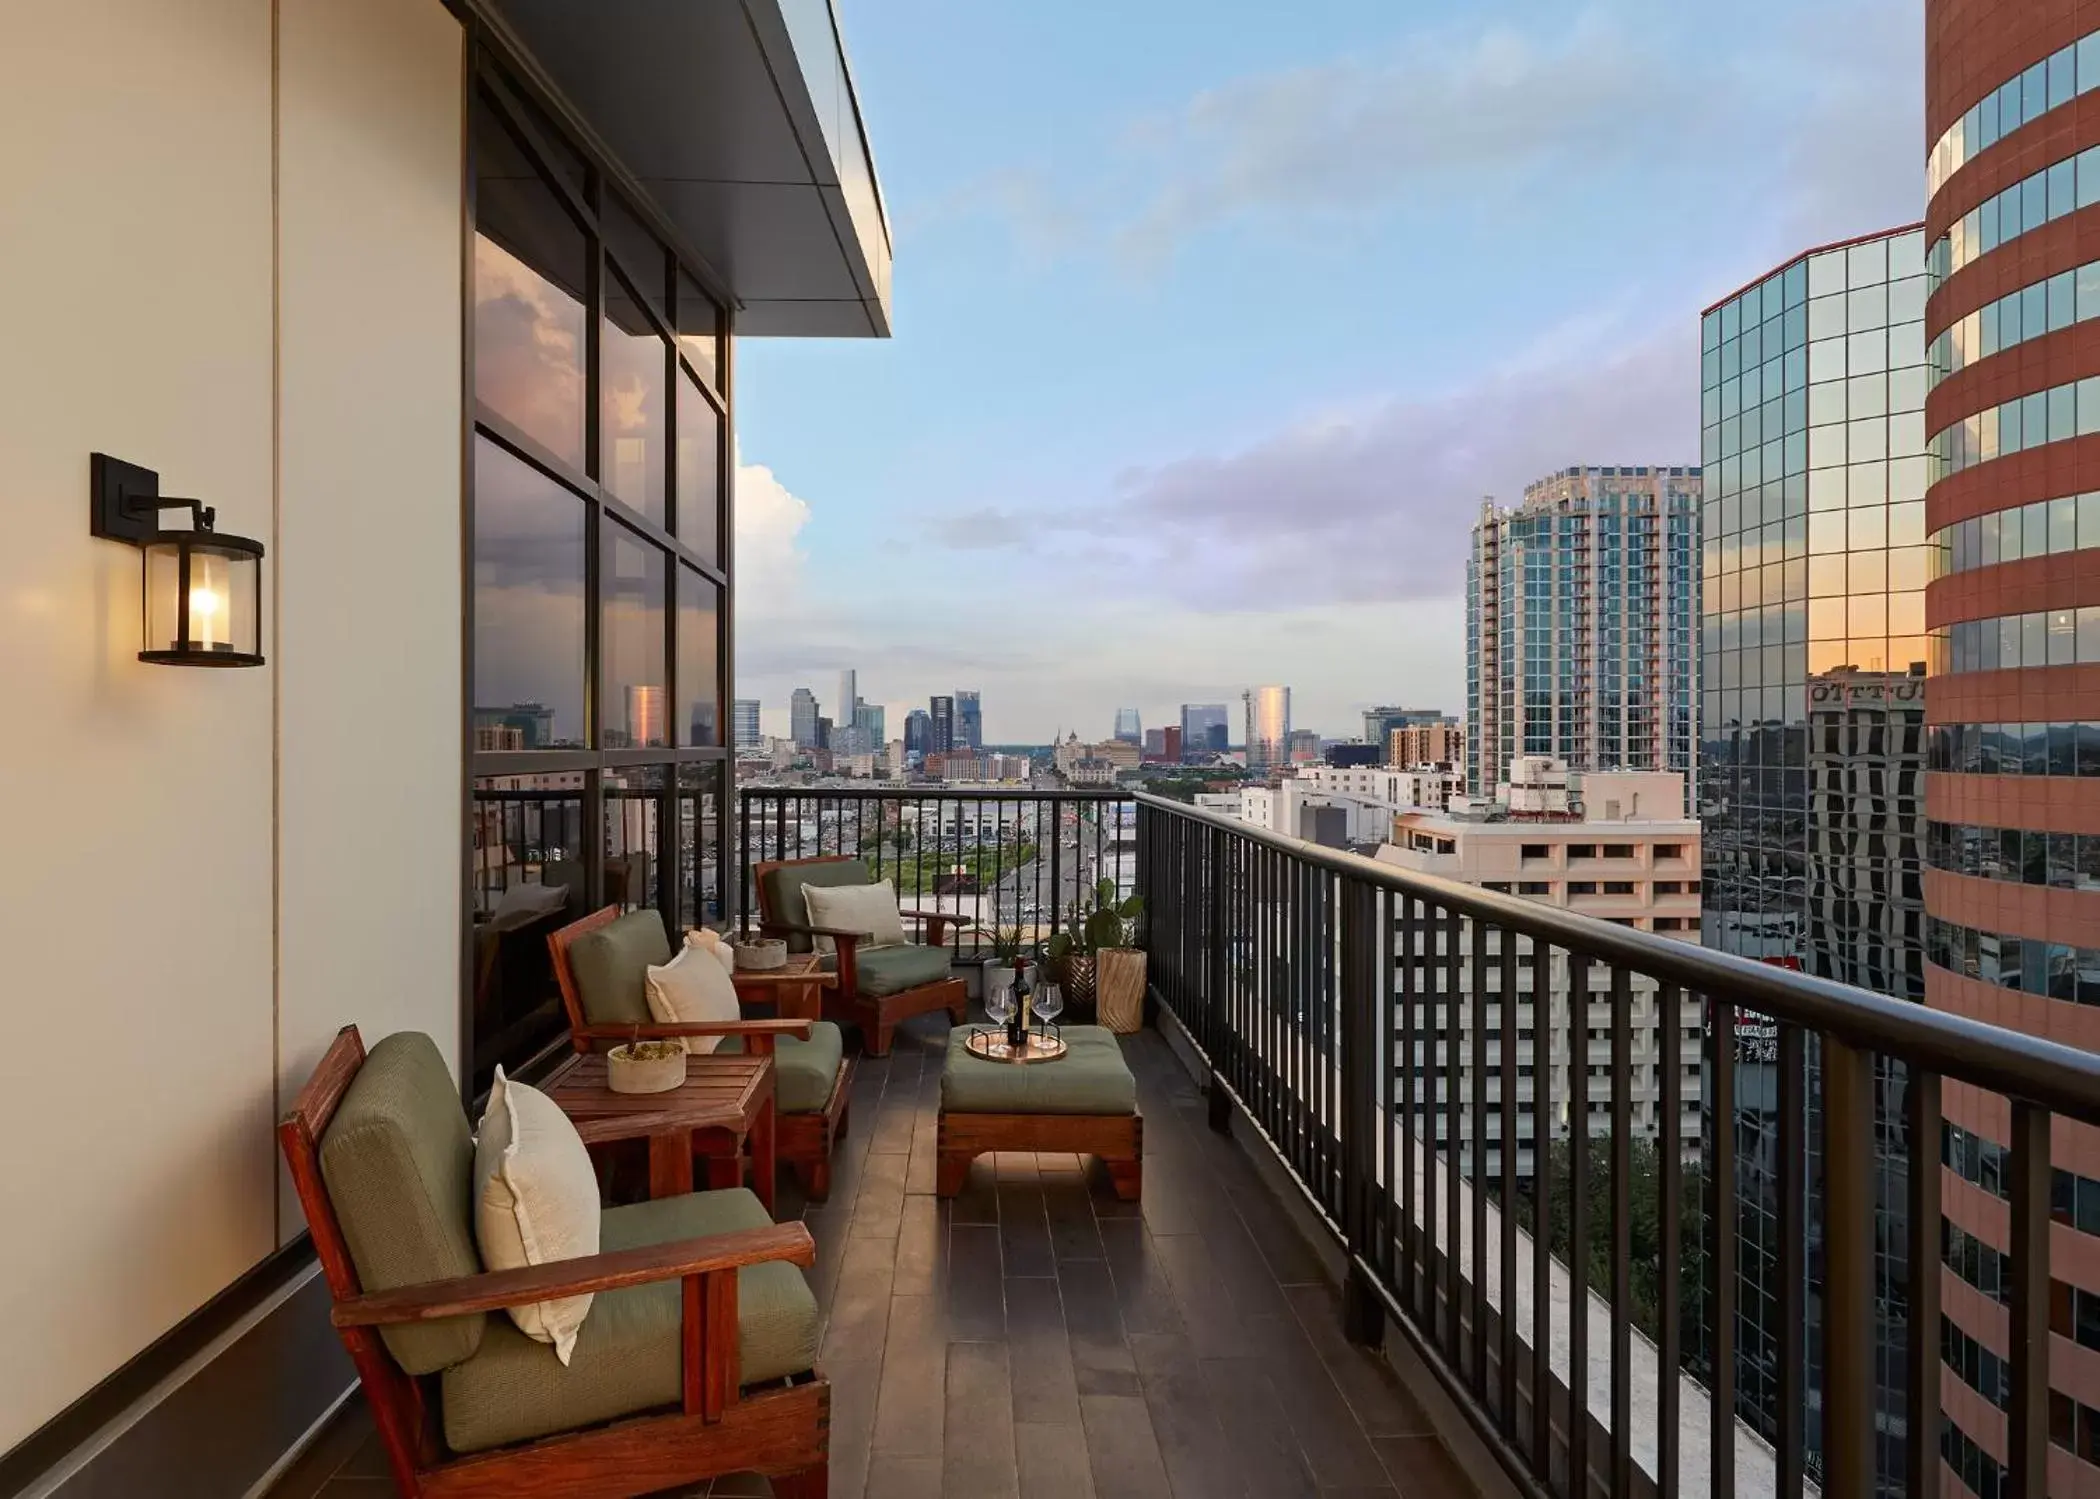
[609, 966]
[1091, 1078]
[627, 1354]
[803, 1071]
[783, 891]
[398, 1162]
[892, 970]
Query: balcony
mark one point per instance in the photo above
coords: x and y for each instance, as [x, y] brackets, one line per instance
[1336, 1282]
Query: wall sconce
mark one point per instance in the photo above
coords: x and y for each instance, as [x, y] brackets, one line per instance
[202, 589]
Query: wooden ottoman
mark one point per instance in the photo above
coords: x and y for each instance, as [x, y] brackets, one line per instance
[1084, 1103]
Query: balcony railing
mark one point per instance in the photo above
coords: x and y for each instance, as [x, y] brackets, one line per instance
[1006, 860]
[1378, 1027]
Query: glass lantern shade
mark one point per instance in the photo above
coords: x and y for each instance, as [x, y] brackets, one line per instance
[203, 600]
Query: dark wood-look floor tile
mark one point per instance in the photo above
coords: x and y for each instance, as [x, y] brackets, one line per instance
[879, 1199]
[893, 1477]
[1101, 1360]
[976, 1300]
[922, 1247]
[980, 1462]
[860, 1309]
[1381, 1403]
[1191, 1440]
[1261, 1442]
[1053, 1461]
[978, 1201]
[1333, 1444]
[855, 1386]
[1024, 1230]
[1421, 1467]
[1206, 1302]
[910, 1409]
[1046, 1390]
[1075, 1233]
[1121, 1448]
[330, 1453]
[1144, 1293]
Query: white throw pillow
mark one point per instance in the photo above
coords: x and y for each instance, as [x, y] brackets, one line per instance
[870, 909]
[692, 986]
[709, 940]
[535, 1202]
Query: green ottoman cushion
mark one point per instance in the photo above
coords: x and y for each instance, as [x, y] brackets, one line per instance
[892, 970]
[610, 967]
[399, 1165]
[803, 1071]
[627, 1353]
[1091, 1078]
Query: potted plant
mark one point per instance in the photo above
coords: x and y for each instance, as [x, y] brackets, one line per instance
[640, 1066]
[1096, 962]
[1006, 949]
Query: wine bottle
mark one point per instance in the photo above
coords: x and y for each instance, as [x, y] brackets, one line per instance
[1017, 1023]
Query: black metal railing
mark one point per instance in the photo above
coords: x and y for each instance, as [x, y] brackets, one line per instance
[1398, 1038]
[1004, 859]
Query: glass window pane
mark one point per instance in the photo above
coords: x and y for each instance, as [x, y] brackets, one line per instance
[631, 403]
[530, 263]
[699, 470]
[528, 604]
[631, 648]
[702, 837]
[528, 881]
[633, 812]
[641, 256]
[699, 656]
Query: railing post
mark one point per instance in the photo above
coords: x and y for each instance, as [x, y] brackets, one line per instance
[1363, 1315]
[1214, 978]
[1848, 1269]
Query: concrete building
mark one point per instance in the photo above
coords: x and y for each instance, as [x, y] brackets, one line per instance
[1582, 609]
[1380, 722]
[1426, 744]
[410, 293]
[1814, 651]
[1170, 744]
[1615, 845]
[1266, 712]
[1155, 745]
[940, 731]
[1205, 729]
[2012, 884]
[802, 718]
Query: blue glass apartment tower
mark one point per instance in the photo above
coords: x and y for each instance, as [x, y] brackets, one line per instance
[1582, 609]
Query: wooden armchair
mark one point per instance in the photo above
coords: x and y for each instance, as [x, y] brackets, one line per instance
[878, 987]
[466, 1407]
[813, 1077]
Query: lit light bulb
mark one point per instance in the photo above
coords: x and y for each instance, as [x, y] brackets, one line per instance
[205, 605]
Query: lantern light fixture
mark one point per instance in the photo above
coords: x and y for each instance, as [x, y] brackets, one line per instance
[201, 587]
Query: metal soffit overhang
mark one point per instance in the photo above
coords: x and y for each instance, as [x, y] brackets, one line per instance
[739, 120]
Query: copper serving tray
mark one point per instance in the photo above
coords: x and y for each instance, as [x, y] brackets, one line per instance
[993, 1047]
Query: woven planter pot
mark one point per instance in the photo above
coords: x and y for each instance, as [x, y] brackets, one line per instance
[1075, 975]
[1119, 983]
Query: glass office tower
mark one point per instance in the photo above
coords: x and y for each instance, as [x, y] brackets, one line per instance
[1267, 715]
[1811, 716]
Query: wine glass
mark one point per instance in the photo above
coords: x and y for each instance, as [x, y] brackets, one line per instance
[1048, 1002]
[999, 1003]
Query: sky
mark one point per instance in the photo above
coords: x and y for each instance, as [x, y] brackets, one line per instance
[1215, 321]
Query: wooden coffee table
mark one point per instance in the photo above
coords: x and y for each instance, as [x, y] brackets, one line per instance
[795, 990]
[724, 1102]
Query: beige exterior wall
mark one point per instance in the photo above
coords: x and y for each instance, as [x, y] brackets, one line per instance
[205, 874]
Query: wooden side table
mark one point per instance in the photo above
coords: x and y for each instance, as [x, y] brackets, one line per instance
[725, 1103]
[797, 990]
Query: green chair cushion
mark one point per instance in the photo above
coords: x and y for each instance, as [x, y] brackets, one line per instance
[803, 1071]
[609, 967]
[627, 1354]
[1091, 1078]
[892, 970]
[783, 891]
[398, 1161]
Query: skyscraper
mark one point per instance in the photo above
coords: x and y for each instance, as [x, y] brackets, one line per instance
[969, 720]
[802, 718]
[869, 729]
[918, 731]
[746, 725]
[1581, 608]
[1128, 729]
[849, 696]
[941, 730]
[2012, 883]
[1204, 729]
[1268, 720]
[1812, 710]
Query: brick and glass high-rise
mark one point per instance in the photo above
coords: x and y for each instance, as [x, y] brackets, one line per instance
[1582, 610]
[2012, 891]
